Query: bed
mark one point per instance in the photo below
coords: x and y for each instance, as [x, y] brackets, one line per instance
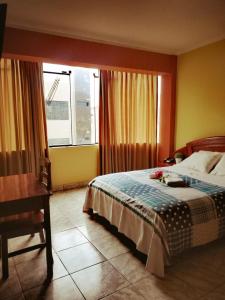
[164, 221]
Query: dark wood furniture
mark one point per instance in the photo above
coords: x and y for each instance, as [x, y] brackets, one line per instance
[23, 195]
[45, 179]
[45, 173]
[165, 164]
[214, 143]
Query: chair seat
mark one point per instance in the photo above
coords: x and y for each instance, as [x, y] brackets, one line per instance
[23, 220]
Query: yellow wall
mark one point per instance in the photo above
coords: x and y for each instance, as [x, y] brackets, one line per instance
[200, 112]
[73, 165]
[200, 109]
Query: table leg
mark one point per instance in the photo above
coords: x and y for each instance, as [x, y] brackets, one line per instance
[47, 224]
[5, 265]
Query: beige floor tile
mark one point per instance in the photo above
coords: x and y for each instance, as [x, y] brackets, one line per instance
[110, 246]
[67, 205]
[70, 198]
[99, 281]
[213, 253]
[80, 257]
[23, 242]
[58, 269]
[93, 231]
[196, 275]
[10, 286]
[60, 222]
[79, 219]
[33, 273]
[29, 256]
[67, 239]
[129, 293]
[63, 288]
[131, 267]
[165, 289]
[70, 205]
[75, 194]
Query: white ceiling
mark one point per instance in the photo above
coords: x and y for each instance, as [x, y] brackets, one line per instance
[166, 26]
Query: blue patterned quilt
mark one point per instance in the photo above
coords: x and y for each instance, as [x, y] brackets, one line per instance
[182, 218]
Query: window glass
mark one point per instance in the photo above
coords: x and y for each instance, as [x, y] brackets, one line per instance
[71, 95]
[83, 106]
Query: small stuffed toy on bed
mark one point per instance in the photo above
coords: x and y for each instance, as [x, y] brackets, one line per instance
[156, 175]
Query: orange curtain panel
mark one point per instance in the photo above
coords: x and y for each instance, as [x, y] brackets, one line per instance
[23, 135]
[127, 121]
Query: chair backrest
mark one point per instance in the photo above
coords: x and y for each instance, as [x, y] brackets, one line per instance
[45, 173]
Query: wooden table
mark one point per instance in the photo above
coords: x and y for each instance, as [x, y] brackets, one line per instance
[23, 193]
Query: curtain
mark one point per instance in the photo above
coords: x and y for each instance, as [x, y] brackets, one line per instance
[127, 121]
[23, 134]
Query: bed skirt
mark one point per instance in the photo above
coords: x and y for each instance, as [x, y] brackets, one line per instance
[132, 226]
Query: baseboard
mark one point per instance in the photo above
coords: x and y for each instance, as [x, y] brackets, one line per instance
[70, 186]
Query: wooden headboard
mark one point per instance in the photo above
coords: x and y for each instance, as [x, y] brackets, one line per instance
[213, 143]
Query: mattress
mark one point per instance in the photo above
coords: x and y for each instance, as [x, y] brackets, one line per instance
[162, 221]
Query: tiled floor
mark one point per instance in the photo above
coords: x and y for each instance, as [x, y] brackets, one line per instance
[91, 262]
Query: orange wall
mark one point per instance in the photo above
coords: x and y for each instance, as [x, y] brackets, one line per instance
[28, 45]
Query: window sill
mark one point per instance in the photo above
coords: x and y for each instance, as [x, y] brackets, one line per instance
[72, 146]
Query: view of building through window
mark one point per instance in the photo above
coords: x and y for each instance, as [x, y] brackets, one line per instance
[72, 99]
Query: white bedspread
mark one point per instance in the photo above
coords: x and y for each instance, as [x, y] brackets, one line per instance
[139, 231]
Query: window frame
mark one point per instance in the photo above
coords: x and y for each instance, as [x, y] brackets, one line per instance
[72, 106]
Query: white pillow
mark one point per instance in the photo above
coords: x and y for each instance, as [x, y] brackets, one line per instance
[220, 167]
[214, 152]
[202, 161]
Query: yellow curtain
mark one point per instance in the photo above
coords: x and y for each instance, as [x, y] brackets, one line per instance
[127, 121]
[23, 138]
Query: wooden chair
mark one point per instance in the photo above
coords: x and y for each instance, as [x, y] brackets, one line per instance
[24, 223]
[45, 176]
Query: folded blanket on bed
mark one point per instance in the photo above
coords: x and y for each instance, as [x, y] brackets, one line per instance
[174, 181]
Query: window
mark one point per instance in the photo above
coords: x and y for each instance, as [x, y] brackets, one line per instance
[72, 99]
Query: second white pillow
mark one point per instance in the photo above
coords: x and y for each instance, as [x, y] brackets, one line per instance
[219, 168]
[202, 161]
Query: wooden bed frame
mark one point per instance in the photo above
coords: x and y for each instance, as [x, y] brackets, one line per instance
[214, 143]
[152, 243]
